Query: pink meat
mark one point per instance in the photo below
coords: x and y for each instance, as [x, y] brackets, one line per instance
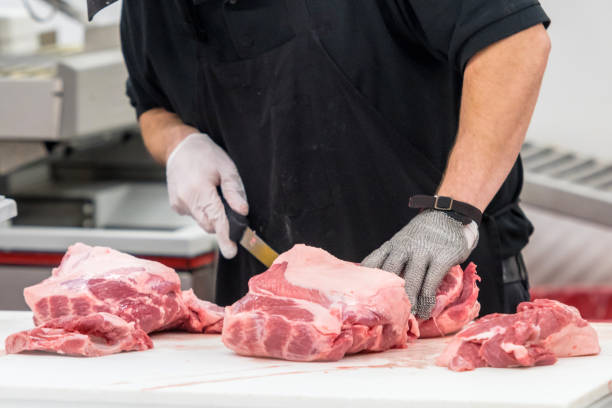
[203, 316]
[95, 281]
[97, 334]
[99, 279]
[456, 303]
[311, 306]
[537, 334]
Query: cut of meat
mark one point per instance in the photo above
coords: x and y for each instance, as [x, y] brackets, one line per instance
[203, 316]
[96, 281]
[456, 303]
[312, 306]
[538, 333]
[97, 334]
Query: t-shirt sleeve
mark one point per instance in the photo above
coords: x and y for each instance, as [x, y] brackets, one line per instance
[142, 86]
[458, 29]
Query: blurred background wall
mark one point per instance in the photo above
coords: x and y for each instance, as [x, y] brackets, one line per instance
[575, 105]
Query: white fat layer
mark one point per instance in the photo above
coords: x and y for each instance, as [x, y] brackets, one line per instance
[572, 340]
[314, 268]
[82, 262]
[518, 350]
[486, 334]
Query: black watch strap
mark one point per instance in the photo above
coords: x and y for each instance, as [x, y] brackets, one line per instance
[459, 210]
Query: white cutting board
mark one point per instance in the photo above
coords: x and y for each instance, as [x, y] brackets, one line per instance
[188, 370]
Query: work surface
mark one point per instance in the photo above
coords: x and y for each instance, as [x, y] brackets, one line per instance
[188, 370]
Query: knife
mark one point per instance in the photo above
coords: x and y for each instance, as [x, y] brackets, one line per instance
[240, 232]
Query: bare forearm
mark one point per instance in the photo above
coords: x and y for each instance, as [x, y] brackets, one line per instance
[162, 131]
[500, 89]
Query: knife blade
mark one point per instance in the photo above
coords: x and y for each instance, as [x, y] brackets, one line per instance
[241, 233]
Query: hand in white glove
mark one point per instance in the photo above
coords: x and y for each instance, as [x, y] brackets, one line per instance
[194, 169]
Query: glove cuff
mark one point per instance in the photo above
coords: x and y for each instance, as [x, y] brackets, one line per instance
[192, 138]
[470, 232]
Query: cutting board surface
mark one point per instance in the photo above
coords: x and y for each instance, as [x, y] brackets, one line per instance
[185, 370]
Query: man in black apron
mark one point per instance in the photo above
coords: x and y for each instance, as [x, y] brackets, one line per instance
[329, 115]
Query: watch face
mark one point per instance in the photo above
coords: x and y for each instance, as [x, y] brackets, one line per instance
[93, 6]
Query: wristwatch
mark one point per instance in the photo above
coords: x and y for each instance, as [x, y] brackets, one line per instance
[458, 210]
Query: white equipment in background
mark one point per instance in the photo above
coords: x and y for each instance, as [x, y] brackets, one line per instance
[8, 209]
[18, 32]
[568, 182]
[69, 94]
[83, 95]
[569, 200]
[72, 159]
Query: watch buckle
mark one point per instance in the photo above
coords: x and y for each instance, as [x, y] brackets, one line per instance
[450, 205]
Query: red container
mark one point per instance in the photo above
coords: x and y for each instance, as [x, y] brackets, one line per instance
[594, 303]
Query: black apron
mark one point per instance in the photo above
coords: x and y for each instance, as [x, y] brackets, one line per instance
[320, 165]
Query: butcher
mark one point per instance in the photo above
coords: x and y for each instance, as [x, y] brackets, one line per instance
[386, 132]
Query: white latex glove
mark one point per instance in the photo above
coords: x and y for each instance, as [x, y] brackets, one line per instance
[194, 169]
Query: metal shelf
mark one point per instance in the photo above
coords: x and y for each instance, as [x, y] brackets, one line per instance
[568, 183]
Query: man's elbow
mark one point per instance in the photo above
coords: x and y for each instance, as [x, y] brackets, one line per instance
[525, 51]
[539, 44]
[530, 49]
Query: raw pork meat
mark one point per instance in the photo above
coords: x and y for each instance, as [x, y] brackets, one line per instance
[95, 282]
[202, 316]
[97, 334]
[456, 303]
[538, 333]
[312, 306]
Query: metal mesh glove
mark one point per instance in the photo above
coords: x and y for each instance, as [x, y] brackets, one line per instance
[194, 169]
[423, 252]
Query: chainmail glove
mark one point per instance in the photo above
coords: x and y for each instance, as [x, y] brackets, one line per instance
[423, 252]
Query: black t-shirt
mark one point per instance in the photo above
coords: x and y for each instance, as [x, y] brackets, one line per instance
[406, 57]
